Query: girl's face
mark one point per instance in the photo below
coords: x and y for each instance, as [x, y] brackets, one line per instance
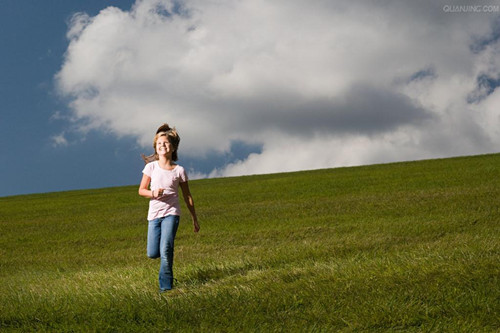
[163, 146]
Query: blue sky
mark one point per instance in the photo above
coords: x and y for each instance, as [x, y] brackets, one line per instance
[84, 85]
[33, 35]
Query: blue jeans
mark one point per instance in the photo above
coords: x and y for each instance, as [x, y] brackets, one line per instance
[161, 235]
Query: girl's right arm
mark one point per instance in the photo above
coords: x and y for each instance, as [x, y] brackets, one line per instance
[144, 190]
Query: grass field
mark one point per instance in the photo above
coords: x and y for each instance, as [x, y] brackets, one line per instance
[405, 246]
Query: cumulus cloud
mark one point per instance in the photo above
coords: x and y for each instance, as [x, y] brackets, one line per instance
[315, 83]
[59, 140]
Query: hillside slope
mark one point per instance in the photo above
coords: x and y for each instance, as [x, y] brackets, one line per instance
[411, 246]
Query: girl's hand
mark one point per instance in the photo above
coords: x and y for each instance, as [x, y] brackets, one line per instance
[157, 193]
[196, 226]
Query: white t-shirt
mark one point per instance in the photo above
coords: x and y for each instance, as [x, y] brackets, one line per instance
[168, 180]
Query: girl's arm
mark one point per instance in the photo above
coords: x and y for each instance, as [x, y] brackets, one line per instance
[188, 198]
[144, 190]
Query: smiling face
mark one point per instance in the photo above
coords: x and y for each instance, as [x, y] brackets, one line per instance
[163, 146]
[167, 143]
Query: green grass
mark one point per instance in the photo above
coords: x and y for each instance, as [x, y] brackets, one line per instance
[405, 246]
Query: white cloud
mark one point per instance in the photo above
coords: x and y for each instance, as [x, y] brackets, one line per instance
[317, 83]
[59, 140]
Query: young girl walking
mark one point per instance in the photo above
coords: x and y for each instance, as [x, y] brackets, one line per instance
[160, 183]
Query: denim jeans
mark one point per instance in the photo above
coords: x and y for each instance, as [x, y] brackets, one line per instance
[161, 235]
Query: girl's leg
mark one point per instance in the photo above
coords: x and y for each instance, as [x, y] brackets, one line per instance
[154, 234]
[169, 227]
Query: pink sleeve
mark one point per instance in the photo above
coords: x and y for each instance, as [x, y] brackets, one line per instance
[183, 175]
[147, 169]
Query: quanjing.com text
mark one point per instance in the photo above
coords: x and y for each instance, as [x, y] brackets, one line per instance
[471, 9]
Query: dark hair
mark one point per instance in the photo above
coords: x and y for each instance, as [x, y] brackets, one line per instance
[163, 128]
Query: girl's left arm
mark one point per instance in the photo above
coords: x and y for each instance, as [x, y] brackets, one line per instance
[188, 198]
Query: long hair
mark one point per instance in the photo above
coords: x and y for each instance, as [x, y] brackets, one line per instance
[163, 128]
[172, 137]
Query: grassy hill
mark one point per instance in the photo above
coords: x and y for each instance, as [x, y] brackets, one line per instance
[405, 246]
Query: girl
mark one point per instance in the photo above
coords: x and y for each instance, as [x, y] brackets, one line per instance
[160, 182]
